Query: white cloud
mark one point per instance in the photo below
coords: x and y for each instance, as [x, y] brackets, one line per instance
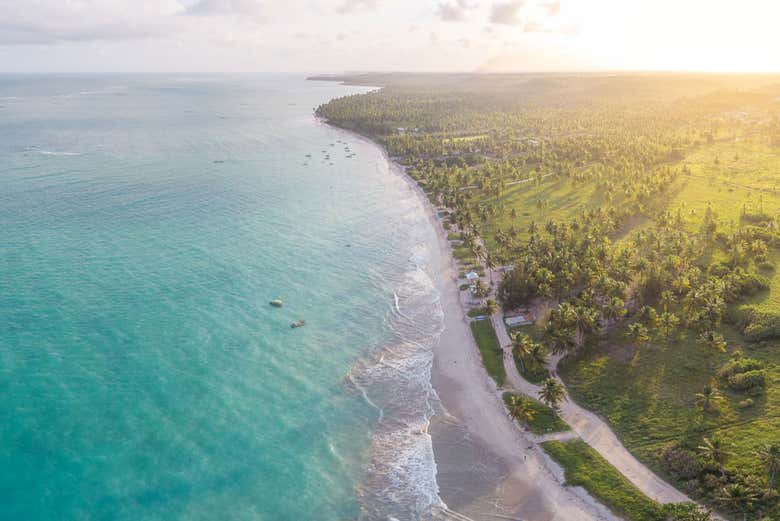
[507, 13]
[227, 7]
[56, 20]
[350, 6]
[455, 11]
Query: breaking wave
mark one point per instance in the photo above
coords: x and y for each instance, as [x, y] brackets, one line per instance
[400, 480]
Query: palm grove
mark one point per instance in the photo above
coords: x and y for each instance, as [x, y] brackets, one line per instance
[586, 188]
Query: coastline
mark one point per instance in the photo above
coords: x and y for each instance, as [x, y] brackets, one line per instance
[487, 467]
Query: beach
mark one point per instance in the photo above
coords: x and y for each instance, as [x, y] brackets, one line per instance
[487, 468]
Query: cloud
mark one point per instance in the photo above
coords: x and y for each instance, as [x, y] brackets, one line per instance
[350, 6]
[56, 21]
[227, 7]
[553, 8]
[455, 11]
[507, 13]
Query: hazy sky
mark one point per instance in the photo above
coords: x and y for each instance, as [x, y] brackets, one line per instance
[337, 35]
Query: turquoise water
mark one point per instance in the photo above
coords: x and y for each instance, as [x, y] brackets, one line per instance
[145, 223]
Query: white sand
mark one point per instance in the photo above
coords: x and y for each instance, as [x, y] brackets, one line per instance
[488, 468]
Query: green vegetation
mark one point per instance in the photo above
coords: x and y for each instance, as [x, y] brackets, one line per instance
[488, 309]
[530, 357]
[477, 312]
[643, 213]
[584, 467]
[489, 348]
[538, 417]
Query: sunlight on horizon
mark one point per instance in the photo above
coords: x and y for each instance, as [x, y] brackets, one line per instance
[436, 35]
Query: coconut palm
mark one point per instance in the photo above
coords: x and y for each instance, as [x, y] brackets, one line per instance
[522, 344]
[552, 393]
[491, 306]
[668, 322]
[585, 323]
[520, 409]
[709, 398]
[559, 339]
[490, 265]
[769, 456]
[480, 289]
[537, 355]
[738, 497]
[713, 340]
[714, 450]
[638, 333]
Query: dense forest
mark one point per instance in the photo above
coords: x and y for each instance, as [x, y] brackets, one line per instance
[639, 216]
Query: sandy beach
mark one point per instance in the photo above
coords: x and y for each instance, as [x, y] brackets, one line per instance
[487, 467]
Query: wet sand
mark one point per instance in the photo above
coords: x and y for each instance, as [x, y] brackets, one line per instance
[487, 468]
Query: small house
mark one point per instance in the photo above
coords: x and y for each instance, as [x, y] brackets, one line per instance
[519, 320]
[520, 317]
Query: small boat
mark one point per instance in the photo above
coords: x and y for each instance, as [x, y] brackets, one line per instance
[277, 303]
[298, 323]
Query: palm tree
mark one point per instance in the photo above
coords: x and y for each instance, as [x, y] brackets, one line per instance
[668, 322]
[709, 398]
[585, 323]
[552, 393]
[614, 309]
[559, 340]
[714, 449]
[769, 455]
[637, 333]
[491, 306]
[739, 497]
[520, 409]
[490, 265]
[686, 512]
[713, 340]
[480, 290]
[538, 355]
[522, 344]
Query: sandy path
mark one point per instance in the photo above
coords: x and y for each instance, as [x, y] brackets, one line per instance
[487, 467]
[592, 429]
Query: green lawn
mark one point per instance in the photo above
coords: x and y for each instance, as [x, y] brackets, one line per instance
[489, 348]
[535, 375]
[648, 394]
[545, 420]
[477, 312]
[584, 467]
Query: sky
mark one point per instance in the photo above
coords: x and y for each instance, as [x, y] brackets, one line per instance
[388, 35]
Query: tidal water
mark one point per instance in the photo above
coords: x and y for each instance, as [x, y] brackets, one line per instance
[145, 224]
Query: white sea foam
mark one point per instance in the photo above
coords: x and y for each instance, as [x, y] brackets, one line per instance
[401, 475]
[58, 153]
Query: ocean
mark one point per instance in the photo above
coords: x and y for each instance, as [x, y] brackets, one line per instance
[145, 224]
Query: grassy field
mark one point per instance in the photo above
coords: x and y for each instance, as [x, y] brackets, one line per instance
[648, 394]
[477, 312]
[617, 195]
[489, 348]
[545, 421]
[559, 200]
[584, 467]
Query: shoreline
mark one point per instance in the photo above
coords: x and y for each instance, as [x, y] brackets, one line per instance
[487, 468]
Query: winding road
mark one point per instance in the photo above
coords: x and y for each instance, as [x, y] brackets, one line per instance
[592, 429]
